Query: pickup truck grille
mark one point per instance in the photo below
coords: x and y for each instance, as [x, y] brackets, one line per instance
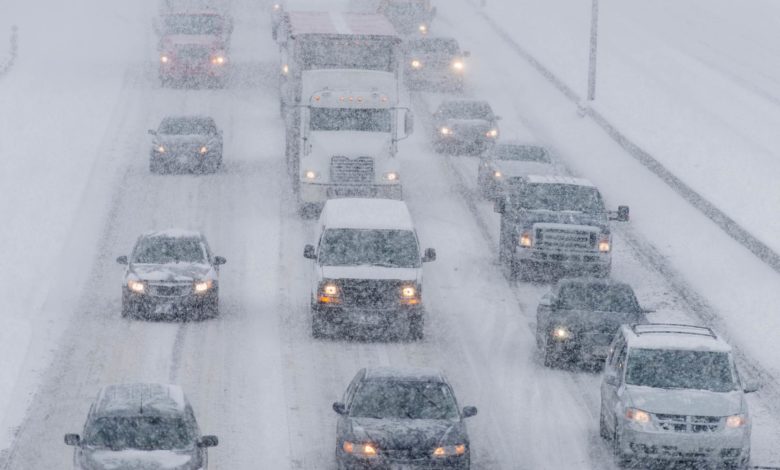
[346, 170]
[369, 293]
[564, 239]
[689, 424]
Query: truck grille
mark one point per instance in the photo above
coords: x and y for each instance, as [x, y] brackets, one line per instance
[346, 170]
[565, 239]
[690, 424]
[370, 293]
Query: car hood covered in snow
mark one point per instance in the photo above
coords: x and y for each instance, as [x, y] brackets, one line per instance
[370, 272]
[422, 434]
[685, 402]
[134, 459]
[172, 272]
[529, 218]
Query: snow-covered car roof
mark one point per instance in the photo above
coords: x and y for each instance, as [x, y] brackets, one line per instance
[422, 374]
[366, 213]
[140, 399]
[674, 336]
[557, 179]
[173, 233]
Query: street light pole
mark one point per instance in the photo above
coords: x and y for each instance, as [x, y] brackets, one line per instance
[594, 38]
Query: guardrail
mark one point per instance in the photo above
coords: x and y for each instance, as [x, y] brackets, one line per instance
[13, 52]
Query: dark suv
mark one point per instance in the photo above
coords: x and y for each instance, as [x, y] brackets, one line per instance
[186, 143]
[141, 426]
[577, 319]
[171, 274]
[401, 418]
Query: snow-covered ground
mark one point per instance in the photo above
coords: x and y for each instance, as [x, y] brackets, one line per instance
[74, 157]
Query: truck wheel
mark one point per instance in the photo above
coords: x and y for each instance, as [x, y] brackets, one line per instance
[416, 327]
[548, 355]
[603, 431]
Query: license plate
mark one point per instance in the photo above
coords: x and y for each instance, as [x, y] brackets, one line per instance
[370, 319]
[163, 309]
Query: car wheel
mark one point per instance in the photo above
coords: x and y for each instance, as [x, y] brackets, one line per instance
[603, 431]
[127, 310]
[416, 327]
[621, 460]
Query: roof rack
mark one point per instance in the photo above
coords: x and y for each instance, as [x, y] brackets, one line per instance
[676, 328]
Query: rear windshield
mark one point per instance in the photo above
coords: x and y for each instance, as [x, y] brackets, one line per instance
[353, 247]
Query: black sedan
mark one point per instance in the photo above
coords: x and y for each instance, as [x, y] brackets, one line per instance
[186, 143]
[577, 319]
[171, 275]
[401, 418]
[464, 126]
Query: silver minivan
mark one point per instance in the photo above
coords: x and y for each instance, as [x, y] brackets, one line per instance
[672, 393]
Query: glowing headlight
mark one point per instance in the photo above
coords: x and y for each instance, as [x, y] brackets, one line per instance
[416, 64]
[136, 286]
[204, 149]
[165, 59]
[492, 133]
[604, 246]
[160, 149]
[329, 293]
[445, 131]
[391, 176]
[363, 450]
[277, 7]
[203, 286]
[285, 69]
[526, 239]
[448, 451]
[457, 65]
[423, 28]
[218, 60]
[561, 332]
[310, 174]
[736, 421]
[637, 416]
[497, 174]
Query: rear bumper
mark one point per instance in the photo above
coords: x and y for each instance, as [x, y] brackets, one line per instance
[727, 445]
[578, 350]
[313, 193]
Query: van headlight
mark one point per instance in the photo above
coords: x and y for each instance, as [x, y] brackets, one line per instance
[136, 286]
[329, 293]
[410, 295]
[493, 133]
[457, 65]
[445, 131]
[423, 28]
[526, 239]
[203, 286]
[736, 421]
[561, 333]
[416, 64]
[637, 416]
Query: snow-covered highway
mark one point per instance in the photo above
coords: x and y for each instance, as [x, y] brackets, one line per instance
[255, 376]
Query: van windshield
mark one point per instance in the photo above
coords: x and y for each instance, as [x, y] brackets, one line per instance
[356, 247]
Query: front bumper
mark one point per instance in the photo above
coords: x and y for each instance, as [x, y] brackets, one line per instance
[321, 192]
[184, 73]
[589, 261]
[725, 445]
[382, 462]
[173, 160]
[170, 308]
[367, 320]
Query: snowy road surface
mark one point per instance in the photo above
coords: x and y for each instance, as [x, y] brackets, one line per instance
[257, 379]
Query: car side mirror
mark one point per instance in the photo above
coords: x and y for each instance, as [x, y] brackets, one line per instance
[751, 386]
[340, 408]
[219, 260]
[122, 260]
[430, 255]
[152, 132]
[72, 439]
[621, 215]
[408, 123]
[499, 206]
[208, 441]
[466, 54]
[308, 252]
[611, 379]
[469, 411]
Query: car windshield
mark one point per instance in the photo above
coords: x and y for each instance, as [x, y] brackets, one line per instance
[140, 432]
[404, 400]
[521, 153]
[162, 250]
[466, 110]
[187, 126]
[331, 53]
[446, 47]
[670, 369]
[598, 297]
[193, 24]
[346, 119]
[557, 197]
[353, 247]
